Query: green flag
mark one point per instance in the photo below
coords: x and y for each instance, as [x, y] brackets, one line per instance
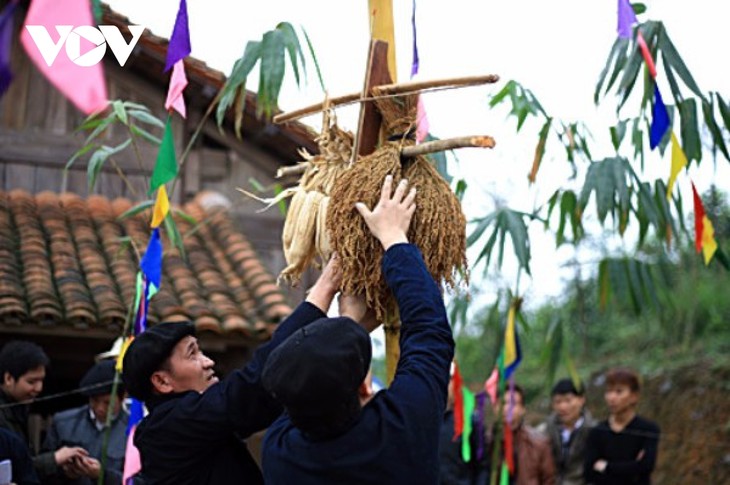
[469, 402]
[166, 165]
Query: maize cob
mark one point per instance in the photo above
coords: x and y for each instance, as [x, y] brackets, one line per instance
[302, 248]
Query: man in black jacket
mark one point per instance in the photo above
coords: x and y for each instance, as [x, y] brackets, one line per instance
[196, 425]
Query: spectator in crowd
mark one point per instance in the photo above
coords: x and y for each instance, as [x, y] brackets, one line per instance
[86, 426]
[533, 460]
[326, 435]
[196, 425]
[16, 452]
[567, 429]
[23, 370]
[623, 448]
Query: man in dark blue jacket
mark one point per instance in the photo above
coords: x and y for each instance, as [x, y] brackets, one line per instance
[325, 436]
[195, 427]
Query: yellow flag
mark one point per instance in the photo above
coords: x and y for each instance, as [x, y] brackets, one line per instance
[679, 161]
[162, 207]
[709, 245]
[122, 351]
[381, 28]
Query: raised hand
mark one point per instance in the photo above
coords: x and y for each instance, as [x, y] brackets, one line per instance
[390, 219]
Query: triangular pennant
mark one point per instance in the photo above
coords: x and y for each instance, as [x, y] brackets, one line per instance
[646, 54]
[166, 167]
[491, 386]
[161, 208]
[626, 19]
[709, 245]
[414, 65]
[178, 82]
[512, 352]
[6, 42]
[469, 403]
[679, 161]
[122, 352]
[699, 217]
[456, 384]
[151, 264]
[660, 120]
[179, 46]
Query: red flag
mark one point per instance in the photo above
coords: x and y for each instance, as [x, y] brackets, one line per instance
[456, 384]
[704, 232]
[509, 453]
[699, 216]
[647, 55]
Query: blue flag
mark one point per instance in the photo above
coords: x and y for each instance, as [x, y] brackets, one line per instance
[151, 264]
[660, 120]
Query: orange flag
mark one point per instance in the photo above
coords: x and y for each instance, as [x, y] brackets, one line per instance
[704, 232]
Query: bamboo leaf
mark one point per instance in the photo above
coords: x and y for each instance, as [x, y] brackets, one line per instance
[173, 234]
[724, 110]
[96, 162]
[291, 43]
[514, 224]
[241, 69]
[617, 134]
[100, 128]
[460, 189]
[146, 117]
[273, 64]
[82, 151]
[614, 58]
[137, 209]
[144, 134]
[185, 216]
[708, 111]
[673, 85]
[690, 131]
[539, 150]
[120, 112]
[314, 58]
[672, 57]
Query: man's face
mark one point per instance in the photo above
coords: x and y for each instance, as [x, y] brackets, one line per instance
[518, 410]
[101, 405]
[27, 387]
[568, 407]
[188, 369]
[620, 398]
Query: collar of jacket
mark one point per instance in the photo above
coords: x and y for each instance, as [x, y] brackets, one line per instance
[158, 399]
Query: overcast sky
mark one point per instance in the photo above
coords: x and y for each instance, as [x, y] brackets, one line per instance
[556, 48]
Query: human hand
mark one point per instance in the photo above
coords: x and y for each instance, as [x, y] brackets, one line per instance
[89, 467]
[327, 285]
[390, 219]
[355, 307]
[600, 466]
[66, 454]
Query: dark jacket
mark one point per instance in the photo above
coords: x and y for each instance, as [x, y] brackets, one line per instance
[76, 427]
[569, 465]
[395, 439]
[631, 454]
[14, 417]
[453, 469]
[196, 438]
[14, 449]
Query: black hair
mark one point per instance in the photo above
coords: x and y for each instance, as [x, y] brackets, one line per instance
[19, 356]
[567, 386]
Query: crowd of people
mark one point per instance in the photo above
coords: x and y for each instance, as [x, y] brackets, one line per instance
[309, 387]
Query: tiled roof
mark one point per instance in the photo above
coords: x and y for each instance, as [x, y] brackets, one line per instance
[65, 261]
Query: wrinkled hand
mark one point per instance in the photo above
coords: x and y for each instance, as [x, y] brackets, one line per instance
[355, 307]
[67, 454]
[390, 219]
[327, 285]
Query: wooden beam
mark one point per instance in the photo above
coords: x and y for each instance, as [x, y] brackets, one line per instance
[411, 87]
[368, 131]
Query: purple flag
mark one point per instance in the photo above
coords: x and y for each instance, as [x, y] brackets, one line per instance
[660, 120]
[414, 66]
[6, 40]
[626, 19]
[179, 47]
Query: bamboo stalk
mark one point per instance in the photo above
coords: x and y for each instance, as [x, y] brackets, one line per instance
[387, 90]
[478, 141]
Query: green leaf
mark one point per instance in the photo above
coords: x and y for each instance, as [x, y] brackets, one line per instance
[131, 105]
[120, 112]
[241, 69]
[137, 209]
[96, 162]
[617, 58]
[622, 56]
[146, 117]
[631, 72]
[82, 151]
[637, 140]
[100, 128]
[617, 134]
[184, 216]
[673, 85]
[314, 58]
[514, 224]
[460, 189]
[672, 57]
[291, 42]
[639, 8]
[508, 88]
[604, 284]
[708, 111]
[271, 73]
[539, 149]
[142, 133]
[690, 131]
[173, 234]
[724, 110]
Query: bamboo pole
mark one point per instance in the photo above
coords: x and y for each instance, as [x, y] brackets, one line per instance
[388, 90]
[477, 141]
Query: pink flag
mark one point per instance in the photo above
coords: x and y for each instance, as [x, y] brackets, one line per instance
[132, 461]
[84, 86]
[491, 386]
[646, 53]
[421, 121]
[178, 82]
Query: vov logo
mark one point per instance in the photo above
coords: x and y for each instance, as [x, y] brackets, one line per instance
[71, 38]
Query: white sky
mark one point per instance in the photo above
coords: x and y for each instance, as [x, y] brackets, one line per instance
[556, 48]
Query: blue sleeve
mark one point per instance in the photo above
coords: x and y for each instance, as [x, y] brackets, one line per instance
[239, 402]
[426, 343]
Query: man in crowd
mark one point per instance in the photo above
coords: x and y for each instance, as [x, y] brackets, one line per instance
[86, 426]
[623, 448]
[23, 369]
[567, 428]
[533, 461]
[195, 428]
[15, 452]
[326, 435]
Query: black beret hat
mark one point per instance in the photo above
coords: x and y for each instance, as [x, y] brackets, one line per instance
[147, 352]
[99, 379]
[316, 371]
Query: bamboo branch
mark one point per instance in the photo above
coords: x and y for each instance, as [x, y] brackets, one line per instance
[479, 141]
[388, 90]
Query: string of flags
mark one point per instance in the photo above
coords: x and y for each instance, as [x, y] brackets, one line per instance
[661, 124]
